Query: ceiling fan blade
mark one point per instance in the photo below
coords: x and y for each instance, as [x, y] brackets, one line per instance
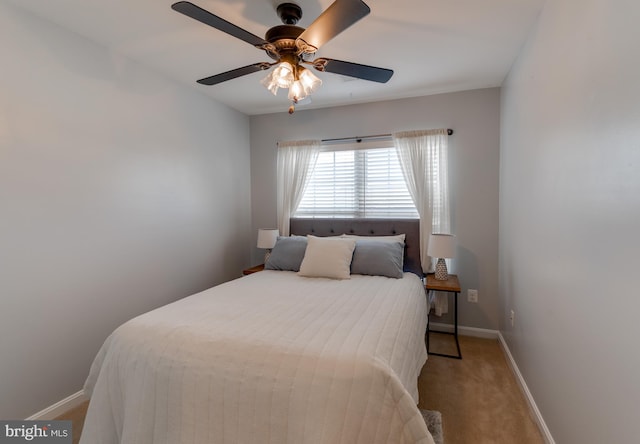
[380, 75]
[197, 13]
[234, 73]
[336, 18]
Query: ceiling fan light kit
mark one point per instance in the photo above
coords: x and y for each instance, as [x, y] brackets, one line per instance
[291, 46]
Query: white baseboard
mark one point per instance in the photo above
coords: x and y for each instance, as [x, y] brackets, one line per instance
[57, 409]
[495, 334]
[546, 434]
[466, 331]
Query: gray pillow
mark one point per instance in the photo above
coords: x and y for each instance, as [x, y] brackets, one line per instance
[378, 258]
[287, 254]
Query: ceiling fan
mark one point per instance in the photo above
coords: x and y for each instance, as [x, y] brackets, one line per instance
[292, 46]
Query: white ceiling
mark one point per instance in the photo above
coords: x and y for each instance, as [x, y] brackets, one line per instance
[433, 46]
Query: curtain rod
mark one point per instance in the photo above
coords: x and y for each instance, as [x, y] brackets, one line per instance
[361, 138]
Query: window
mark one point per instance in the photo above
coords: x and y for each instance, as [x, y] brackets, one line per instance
[357, 183]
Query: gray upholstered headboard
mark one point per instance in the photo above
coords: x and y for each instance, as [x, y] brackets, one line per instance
[367, 227]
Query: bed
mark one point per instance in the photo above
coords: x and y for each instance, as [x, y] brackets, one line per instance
[273, 357]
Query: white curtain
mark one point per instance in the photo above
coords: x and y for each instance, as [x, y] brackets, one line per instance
[295, 162]
[423, 158]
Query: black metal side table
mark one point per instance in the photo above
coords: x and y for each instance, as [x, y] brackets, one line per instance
[451, 285]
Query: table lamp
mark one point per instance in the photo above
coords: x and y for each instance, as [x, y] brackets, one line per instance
[267, 238]
[442, 246]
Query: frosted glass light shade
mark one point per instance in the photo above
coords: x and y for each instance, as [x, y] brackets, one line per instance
[297, 92]
[280, 77]
[306, 85]
[310, 82]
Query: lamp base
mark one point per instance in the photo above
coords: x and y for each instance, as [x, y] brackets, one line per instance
[441, 270]
[266, 255]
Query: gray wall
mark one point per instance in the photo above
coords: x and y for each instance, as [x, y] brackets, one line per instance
[570, 218]
[120, 191]
[473, 168]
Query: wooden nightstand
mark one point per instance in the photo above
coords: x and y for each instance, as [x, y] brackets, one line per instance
[451, 285]
[253, 269]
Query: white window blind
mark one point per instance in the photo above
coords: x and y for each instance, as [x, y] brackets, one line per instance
[363, 183]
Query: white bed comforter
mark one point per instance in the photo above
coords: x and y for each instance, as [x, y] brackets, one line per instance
[268, 358]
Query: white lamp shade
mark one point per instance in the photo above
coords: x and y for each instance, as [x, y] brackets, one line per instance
[267, 237]
[442, 246]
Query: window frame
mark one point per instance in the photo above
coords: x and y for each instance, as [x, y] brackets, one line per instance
[359, 147]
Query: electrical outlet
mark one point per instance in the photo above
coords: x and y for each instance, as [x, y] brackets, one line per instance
[472, 295]
[512, 317]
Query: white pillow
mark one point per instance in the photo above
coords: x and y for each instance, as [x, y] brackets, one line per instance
[393, 238]
[328, 257]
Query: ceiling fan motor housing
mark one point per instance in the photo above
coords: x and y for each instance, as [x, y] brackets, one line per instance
[283, 38]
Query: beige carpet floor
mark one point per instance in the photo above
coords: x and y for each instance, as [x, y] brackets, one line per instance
[478, 396]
